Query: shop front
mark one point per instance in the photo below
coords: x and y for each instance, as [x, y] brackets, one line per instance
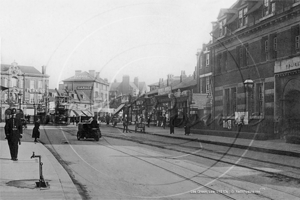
[287, 95]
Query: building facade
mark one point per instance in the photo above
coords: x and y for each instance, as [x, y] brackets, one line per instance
[89, 86]
[26, 89]
[257, 41]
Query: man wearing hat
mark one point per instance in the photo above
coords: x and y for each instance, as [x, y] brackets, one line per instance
[14, 132]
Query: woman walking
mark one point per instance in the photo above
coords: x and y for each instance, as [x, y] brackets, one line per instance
[36, 130]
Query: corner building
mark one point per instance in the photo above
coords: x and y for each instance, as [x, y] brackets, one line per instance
[259, 41]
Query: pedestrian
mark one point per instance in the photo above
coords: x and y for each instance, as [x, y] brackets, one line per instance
[164, 121]
[125, 124]
[73, 119]
[149, 120]
[36, 130]
[172, 124]
[13, 131]
[107, 119]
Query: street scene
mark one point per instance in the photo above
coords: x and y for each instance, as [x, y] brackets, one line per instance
[150, 99]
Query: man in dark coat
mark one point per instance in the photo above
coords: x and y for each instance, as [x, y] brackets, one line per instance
[13, 131]
[172, 123]
[36, 130]
[164, 121]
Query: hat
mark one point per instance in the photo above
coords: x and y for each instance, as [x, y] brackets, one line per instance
[13, 111]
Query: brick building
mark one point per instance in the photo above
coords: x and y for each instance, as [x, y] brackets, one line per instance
[256, 40]
[27, 88]
[88, 86]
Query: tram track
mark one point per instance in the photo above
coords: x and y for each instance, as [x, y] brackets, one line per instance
[169, 147]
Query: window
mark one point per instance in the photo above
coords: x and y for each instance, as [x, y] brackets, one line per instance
[247, 57]
[207, 59]
[207, 85]
[222, 25]
[31, 84]
[295, 36]
[273, 46]
[31, 98]
[225, 60]
[241, 55]
[230, 101]
[297, 42]
[243, 18]
[14, 82]
[268, 7]
[259, 99]
[40, 85]
[267, 49]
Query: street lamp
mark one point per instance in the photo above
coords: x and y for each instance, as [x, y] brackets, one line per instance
[248, 83]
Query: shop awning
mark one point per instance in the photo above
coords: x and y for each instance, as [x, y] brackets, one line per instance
[119, 109]
[87, 113]
[3, 88]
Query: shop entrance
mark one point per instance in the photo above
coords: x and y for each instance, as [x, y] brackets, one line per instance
[291, 104]
[291, 108]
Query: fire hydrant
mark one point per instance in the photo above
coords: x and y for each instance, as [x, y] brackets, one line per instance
[41, 182]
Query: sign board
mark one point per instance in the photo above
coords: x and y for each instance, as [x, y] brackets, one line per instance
[241, 117]
[84, 87]
[287, 65]
[200, 101]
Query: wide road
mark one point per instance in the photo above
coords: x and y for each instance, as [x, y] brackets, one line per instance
[143, 166]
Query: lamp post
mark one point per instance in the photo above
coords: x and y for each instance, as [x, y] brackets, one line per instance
[19, 99]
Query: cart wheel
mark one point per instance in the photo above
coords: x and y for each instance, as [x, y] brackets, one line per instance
[78, 135]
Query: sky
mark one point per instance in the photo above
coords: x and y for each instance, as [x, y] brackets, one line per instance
[148, 39]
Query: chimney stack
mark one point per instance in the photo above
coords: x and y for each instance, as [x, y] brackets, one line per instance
[77, 72]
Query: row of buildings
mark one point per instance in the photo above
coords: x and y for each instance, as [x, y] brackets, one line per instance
[251, 68]
[84, 94]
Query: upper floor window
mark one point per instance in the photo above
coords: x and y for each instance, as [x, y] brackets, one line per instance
[268, 7]
[14, 82]
[222, 25]
[31, 84]
[207, 59]
[267, 49]
[40, 84]
[295, 31]
[243, 18]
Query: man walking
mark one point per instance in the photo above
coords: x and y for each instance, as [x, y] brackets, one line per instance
[13, 129]
[125, 124]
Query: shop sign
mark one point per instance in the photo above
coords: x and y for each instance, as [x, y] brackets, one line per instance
[84, 87]
[287, 65]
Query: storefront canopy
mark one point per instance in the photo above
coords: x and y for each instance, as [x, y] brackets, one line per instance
[3, 88]
[87, 113]
[119, 109]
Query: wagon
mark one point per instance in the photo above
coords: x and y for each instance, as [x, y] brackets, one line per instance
[85, 130]
[140, 126]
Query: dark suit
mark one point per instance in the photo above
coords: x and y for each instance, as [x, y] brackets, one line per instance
[14, 130]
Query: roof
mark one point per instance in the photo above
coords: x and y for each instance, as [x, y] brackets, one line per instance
[188, 82]
[85, 76]
[24, 69]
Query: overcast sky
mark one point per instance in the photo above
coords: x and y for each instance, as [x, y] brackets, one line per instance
[141, 38]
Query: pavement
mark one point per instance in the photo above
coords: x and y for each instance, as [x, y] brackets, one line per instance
[17, 178]
[275, 146]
